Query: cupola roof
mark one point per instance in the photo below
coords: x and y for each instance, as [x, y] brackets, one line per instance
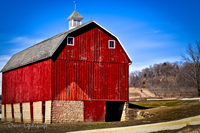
[75, 15]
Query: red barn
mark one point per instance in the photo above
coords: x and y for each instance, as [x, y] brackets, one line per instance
[78, 75]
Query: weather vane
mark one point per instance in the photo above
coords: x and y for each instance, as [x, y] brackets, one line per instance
[75, 4]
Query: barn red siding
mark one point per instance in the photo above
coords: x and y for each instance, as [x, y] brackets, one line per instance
[27, 84]
[89, 70]
[94, 111]
[93, 46]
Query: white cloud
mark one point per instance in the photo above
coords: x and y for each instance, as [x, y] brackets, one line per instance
[138, 66]
[3, 60]
[25, 41]
[156, 31]
[142, 65]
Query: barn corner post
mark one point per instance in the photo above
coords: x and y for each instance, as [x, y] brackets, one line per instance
[3, 111]
[125, 113]
[49, 121]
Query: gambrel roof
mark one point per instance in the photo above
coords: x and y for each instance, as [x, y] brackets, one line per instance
[46, 49]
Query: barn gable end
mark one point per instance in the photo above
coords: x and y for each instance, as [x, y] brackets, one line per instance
[101, 73]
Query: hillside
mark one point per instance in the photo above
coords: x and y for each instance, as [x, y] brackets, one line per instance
[164, 80]
[140, 93]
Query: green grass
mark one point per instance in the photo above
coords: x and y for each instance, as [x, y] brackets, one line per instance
[172, 103]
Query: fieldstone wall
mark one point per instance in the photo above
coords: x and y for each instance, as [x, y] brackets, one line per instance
[48, 112]
[128, 113]
[67, 111]
[17, 114]
[9, 113]
[2, 113]
[26, 112]
[37, 112]
[131, 114]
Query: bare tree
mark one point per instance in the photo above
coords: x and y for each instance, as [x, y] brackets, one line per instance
[192, 58]
[134, 80]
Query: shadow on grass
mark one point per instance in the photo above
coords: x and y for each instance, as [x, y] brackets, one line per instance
[137, 106]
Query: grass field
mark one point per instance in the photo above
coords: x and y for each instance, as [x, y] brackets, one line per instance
[172, 103]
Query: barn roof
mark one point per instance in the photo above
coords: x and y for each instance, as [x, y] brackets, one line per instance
[45, 49]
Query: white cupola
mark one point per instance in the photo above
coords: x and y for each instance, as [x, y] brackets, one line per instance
[74, 19]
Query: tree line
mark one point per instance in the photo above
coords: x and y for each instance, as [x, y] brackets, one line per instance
[162, 75]
[171, 75]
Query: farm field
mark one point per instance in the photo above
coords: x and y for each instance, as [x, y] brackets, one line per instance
[162, 103]
[160, 111]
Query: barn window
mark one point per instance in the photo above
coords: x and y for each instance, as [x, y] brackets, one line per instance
[111, 44]
[70, 41]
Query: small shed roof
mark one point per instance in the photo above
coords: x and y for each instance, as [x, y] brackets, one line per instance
[45, 49]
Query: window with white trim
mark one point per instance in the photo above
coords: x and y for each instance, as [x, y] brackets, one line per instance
[70, 41]
[111, 44]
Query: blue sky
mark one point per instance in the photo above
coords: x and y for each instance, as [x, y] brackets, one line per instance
[152, 31]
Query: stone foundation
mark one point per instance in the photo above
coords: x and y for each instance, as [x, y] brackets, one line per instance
[2, 113]
[9, 113]
[58, 111]
[37, 112]
[67, 111]
[26, 112]
[128, 113]
[17, 114]
[48, 112]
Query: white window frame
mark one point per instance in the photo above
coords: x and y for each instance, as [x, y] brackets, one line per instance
[73, 41]
[109, 44]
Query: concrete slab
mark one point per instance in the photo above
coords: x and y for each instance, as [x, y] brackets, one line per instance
[195, 98]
